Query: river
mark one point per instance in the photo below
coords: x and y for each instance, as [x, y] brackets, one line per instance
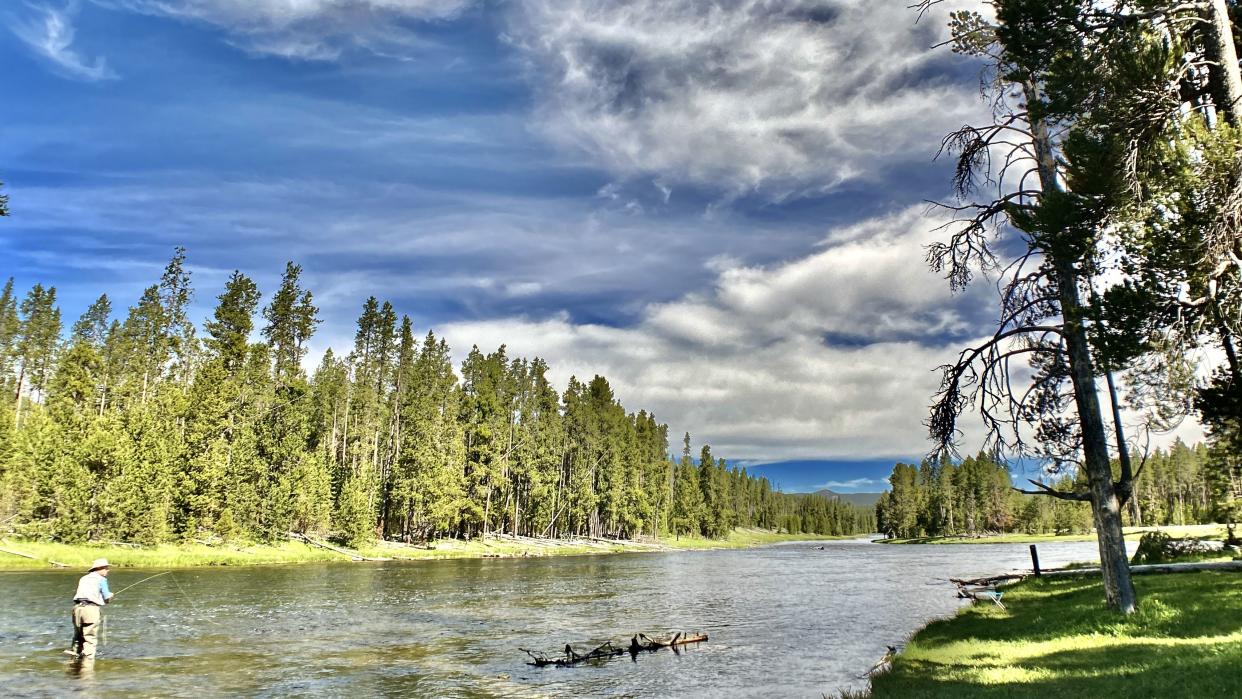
[785, 620]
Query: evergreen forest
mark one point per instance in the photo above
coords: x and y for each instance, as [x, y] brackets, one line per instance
[145, 427]
[977, 497]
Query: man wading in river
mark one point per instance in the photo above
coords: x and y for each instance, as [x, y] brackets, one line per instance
[88, 601]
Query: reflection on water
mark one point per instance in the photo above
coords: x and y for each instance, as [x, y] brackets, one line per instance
[80, 668]
[786, 620]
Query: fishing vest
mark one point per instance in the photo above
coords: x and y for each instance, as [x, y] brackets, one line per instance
[89, 588]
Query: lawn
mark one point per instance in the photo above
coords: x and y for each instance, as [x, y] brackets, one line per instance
[1203, 531]
[1057, 639]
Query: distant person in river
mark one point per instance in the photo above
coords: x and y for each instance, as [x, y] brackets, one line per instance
[88, 601]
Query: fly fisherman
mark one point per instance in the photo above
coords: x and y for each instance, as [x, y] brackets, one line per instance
[92, 595]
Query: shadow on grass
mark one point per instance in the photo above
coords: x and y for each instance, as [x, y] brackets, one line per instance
[1172, 647]
[1127, 669]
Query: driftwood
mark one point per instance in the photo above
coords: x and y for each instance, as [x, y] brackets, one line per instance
[882, 665]
[34, 558]
[638, 643]
[1154, 569]
[644, 642]
[19, 553]
[984, 589]
[572, 657]
[988, 582]
[352, 554]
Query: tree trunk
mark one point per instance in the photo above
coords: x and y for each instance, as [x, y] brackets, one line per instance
[1105, 506]
[17, 408]
[1222, 330]
[1225, 87]
[1123, 451]
[1224, 77]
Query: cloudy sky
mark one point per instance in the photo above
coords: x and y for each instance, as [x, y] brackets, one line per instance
[718, 206]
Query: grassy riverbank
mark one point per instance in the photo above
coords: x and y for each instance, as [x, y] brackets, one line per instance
[1056, 639]
[1204, 531]
[745, 538]
[194, 554]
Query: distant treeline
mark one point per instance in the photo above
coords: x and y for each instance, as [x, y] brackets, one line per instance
[142, 429]
[977, 496]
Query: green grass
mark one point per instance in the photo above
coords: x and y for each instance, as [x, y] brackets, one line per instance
[194, 555]
[1205, 531]
[163, 556]
[745, 538]
[1057, 639]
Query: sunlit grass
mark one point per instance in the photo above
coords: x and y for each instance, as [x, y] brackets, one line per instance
[745, 537]
[163, 556]
[194, 554]
[1057, 639]
[1203, 531]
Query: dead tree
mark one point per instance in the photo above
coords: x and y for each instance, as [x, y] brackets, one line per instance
[639, 643]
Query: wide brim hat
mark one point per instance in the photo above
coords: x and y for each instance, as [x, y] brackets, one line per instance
[99, 563]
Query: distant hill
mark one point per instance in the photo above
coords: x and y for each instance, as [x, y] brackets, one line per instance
[860, 499]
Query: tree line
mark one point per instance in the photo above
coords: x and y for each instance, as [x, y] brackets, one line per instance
[145, 429]
[1103, 196]
[976, 496]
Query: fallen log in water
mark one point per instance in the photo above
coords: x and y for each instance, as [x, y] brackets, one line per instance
[638, 643]
[352, 554]
[34, 558]
[678, 639]
[572, 657]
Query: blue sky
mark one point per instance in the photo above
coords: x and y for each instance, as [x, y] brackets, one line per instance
[720, 208]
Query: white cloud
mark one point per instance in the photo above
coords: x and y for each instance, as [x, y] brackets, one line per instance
[878, 483]
[746, 367]
[50, 33]
[871, 287]
[789, 98]
[308, 29]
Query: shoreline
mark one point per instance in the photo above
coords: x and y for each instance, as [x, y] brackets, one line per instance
[198, 555]
[1203, 531]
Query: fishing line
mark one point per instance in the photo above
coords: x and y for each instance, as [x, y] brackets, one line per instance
[193, 604]
[140, 582]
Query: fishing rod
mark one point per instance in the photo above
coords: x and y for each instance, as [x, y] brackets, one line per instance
[114, 594]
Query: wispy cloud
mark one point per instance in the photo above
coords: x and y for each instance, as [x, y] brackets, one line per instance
[747, 365]
[309, 29]
[788, 98]
[852, 484]
[50, 33]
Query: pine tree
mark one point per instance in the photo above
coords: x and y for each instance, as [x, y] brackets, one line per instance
[228, 332]
[292, 319]
[93, 326]
[10, 333]
[142, 349]
[176, 294]
[428, 488]
[218, 416]
[297, 486]
[688, 497]
[38, 340]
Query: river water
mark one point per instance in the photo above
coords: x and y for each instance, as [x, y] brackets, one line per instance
[785, 620]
